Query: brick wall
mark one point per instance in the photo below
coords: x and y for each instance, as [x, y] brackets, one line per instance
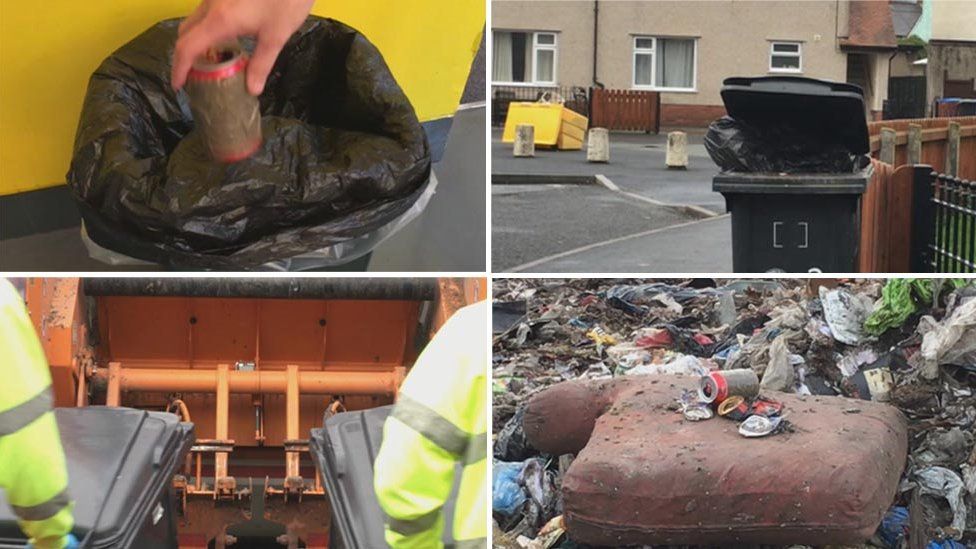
[690, 116]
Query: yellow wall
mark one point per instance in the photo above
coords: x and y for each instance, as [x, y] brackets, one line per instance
[49, 49]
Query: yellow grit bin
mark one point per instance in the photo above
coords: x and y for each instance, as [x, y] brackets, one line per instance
[49, 49]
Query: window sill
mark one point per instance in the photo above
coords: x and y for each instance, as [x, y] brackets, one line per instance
[786, 71]
[526, 84]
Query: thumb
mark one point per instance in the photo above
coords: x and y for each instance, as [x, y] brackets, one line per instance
[261, 63]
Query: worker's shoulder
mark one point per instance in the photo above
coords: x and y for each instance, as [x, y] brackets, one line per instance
[472, 316]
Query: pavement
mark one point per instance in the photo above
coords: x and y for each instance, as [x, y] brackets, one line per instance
[638, 220]
[448, 236]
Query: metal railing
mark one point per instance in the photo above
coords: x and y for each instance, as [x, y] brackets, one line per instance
[576, 98]
[944, 236]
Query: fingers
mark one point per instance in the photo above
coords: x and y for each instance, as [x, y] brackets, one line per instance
[191, 20]
[261, 63]
[193, 43]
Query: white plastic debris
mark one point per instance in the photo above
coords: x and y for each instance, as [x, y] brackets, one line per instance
[779, 374]
[952, 341]
[942, 482]
[845, 313]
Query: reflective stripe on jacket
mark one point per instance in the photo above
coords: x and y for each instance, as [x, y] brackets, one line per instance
[32, 467]
[440, 420]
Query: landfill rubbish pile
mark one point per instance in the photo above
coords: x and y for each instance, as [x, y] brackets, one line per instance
[847, 351]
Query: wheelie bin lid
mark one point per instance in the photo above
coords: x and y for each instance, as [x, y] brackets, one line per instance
[120, 461]
[832, 111]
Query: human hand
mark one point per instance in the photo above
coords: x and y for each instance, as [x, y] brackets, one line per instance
[272, 22]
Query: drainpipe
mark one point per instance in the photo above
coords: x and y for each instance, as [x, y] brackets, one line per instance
[596, 25]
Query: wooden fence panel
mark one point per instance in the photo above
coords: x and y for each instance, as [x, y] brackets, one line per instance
[625, 110]
[886, 220]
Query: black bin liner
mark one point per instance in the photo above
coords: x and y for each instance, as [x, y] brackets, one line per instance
[786, 124]
[121, 464]
[344, 154]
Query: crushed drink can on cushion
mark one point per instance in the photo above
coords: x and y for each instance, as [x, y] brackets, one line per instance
[645, 475]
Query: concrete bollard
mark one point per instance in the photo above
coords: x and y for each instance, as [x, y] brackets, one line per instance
[677, 155]
[598, 145]
[524, 141]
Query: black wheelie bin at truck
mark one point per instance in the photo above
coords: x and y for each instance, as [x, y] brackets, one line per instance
[792, 152]
[344, 451]
[121, 464]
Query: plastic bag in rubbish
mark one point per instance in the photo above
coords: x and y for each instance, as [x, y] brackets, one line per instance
[952, 341]
[779, 374]
[943, 483]
[845, 313]
[894, 527]
[540, 483]
[510, 445]
[344, 155]
[507, 496]
[739, 147]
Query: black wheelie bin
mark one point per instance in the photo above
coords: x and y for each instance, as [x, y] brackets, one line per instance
[344, 451]
[793, 156]
[121, 464]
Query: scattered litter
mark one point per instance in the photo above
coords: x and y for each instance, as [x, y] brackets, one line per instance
[823, 338]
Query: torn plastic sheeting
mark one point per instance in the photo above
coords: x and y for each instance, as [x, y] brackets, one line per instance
[845, 313]
[344, 156]
[943, 483]
[779, 374]
[511, 445]
[637, 299]
[507, 496]
[540, 484]
[952, 341]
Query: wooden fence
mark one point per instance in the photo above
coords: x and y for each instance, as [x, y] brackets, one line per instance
[946, 145]
[931, 141]
[625, 110]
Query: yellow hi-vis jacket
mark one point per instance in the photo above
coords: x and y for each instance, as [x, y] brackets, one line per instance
[439, 420]
[32, 468]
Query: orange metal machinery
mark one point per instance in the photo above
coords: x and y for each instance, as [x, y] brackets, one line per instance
[253, 363]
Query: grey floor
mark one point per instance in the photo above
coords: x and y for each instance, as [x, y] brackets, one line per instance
[448, 236]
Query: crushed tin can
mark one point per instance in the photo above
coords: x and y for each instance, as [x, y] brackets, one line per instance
[759, 426]
[227, 116]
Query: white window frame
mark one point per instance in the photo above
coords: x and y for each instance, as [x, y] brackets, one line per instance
[635, 51]
[798, 55]
[535, 82]
[536, 48]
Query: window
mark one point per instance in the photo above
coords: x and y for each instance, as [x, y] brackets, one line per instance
[523, 57]
[664, 63]
[785, 57]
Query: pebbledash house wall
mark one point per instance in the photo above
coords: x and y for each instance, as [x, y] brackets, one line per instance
[733, 39]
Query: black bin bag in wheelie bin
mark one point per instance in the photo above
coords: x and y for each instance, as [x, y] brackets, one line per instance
[344, 451]
[792, 153]
[121, 464]
[344, 162]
